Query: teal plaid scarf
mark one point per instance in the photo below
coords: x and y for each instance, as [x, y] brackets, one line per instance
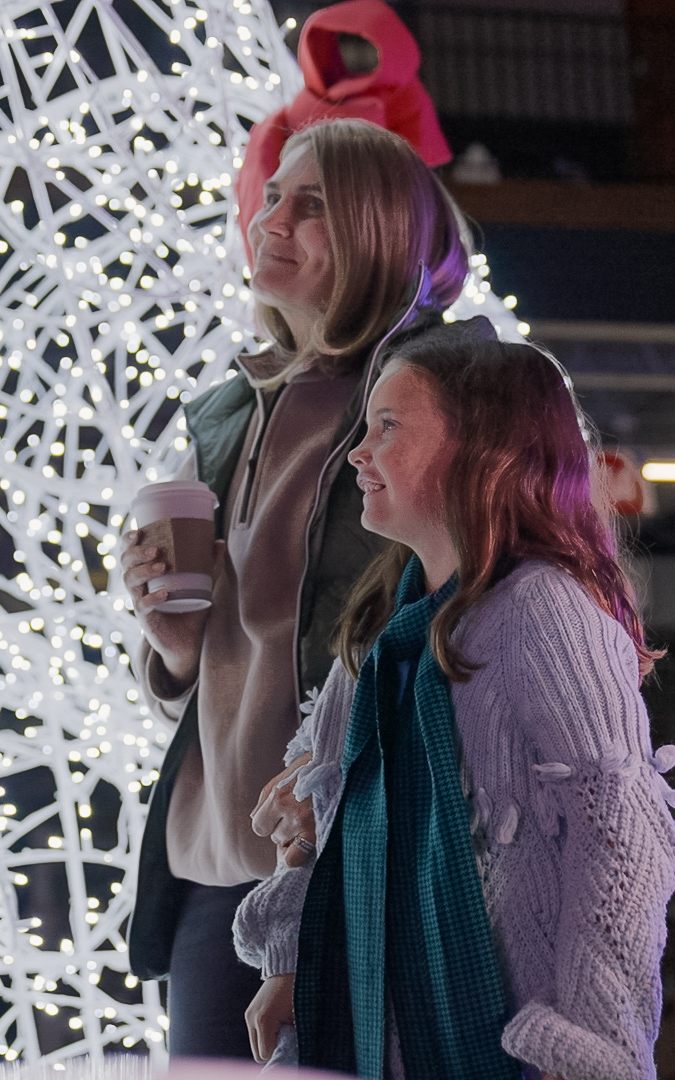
[395, 897]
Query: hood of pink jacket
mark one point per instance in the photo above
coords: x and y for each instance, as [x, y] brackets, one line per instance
[391, 95]
[319, 55]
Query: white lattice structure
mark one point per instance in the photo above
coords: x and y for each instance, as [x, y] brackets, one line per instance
[122, 293]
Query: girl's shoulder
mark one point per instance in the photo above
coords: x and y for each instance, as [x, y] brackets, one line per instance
[539, 603]
[533, 584]
[534, 576]
[537, 586]
[567, 669]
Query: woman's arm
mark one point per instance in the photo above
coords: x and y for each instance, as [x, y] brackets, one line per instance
[168, 661]
[303, 798]
[280, 815]
[267, 922]
[585, 717]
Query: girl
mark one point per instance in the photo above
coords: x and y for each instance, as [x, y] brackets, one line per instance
[491, 897]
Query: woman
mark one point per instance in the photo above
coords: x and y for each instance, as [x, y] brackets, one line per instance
[507, 914]
[337, 246]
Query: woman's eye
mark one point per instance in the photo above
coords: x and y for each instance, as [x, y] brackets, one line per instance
[388, 425]
[271, 197]
[316, 206]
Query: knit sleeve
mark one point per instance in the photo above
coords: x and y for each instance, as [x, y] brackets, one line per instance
[267, 922]
[574, 673]
[322, 776]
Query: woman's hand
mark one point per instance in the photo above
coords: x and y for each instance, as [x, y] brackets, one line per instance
[281, 817]
[178, 637]
[271, 1007]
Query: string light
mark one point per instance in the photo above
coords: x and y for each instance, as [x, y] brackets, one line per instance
[85, 370]
[477, 293]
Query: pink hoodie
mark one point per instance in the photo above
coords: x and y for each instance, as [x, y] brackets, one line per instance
[391, 95]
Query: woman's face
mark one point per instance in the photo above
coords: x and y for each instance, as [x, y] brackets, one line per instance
[404, 460]
[292, 259]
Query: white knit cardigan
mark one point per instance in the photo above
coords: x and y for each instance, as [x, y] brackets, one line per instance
[574, 841]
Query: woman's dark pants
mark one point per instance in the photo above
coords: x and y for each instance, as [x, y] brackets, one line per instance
[209, 987]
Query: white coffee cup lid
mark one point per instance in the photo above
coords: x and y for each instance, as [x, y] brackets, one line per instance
[177, 486]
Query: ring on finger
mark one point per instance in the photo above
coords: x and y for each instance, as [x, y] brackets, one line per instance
[303, 844]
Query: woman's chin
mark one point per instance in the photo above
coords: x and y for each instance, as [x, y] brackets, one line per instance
[370, 523]
[376, 524]
[262, 291]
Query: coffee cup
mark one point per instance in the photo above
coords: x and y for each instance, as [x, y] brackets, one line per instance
[176, 517]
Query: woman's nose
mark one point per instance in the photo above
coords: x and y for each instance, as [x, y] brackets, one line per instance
[358, 455]
[276, 220]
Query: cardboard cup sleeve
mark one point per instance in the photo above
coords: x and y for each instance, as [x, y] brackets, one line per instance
[184, 544]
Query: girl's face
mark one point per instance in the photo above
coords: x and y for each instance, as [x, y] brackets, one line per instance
[293, 267]
[404, 460]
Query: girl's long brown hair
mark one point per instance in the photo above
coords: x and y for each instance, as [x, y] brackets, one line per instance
[519, 487]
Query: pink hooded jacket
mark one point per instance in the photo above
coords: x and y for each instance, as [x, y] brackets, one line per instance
[391, 95]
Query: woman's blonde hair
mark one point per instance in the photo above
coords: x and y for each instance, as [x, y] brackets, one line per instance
[385, 212]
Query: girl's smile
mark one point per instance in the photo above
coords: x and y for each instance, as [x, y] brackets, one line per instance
[403, 466]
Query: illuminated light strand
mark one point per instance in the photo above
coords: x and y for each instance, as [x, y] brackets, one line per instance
[91, 283]
[477, 298]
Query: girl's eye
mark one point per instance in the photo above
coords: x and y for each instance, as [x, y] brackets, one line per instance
[271, 197]
[388, 425]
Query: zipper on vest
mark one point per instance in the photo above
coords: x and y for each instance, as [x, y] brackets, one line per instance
[252, 466]
[409, 312]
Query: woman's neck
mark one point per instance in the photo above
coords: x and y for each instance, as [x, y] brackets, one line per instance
[301, 324]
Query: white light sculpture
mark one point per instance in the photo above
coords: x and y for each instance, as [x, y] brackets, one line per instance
[122, 294]
[122, 289]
